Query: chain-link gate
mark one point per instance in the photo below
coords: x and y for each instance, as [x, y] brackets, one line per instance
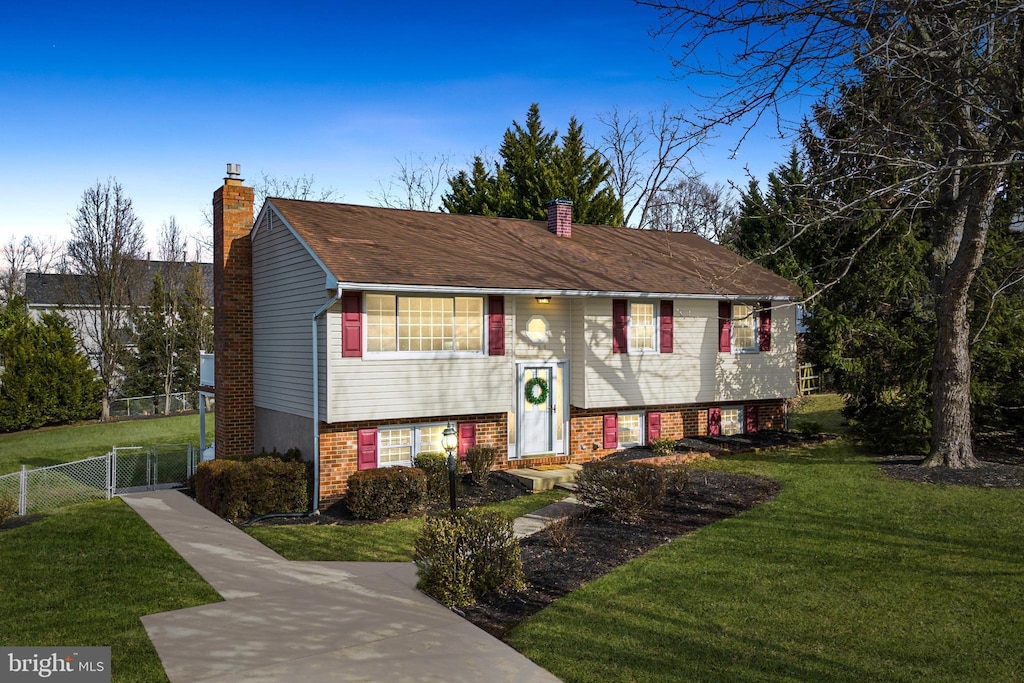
[125, 469]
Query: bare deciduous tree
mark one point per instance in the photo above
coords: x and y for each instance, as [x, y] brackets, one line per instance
[415, 184]
[691, 205]
[25, 255]
[927, 98]
[105, 251]
[645, 152]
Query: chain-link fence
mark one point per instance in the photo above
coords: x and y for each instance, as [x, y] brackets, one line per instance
[160, 404]
[124, 469]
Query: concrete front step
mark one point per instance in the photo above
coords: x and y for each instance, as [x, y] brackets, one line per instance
[546, 479]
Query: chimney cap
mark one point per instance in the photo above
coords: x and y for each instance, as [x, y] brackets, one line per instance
[563, 202]
[234, 171]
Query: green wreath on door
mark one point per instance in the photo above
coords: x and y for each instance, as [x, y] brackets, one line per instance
[536, 391]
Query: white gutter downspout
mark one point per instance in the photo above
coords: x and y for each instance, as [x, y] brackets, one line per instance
[316, 400]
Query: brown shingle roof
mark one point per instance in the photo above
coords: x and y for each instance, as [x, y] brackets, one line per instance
[370, 245]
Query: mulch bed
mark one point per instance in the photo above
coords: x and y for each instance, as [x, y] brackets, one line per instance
[597, 545]
[988, 474]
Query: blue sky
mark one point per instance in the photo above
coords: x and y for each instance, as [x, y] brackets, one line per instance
[161, 95]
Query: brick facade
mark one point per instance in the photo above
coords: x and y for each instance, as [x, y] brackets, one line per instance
[339, 454]
[232, 318]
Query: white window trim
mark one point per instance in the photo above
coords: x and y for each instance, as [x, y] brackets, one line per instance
[629, 327]
[756, 315]
[417, 446]
[741, 414]
[643, 428]
[399, 355]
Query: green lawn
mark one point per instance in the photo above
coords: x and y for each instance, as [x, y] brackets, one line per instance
[84, 575]
[845, 576]
[386, 542]
[822, 409]
[52, 445]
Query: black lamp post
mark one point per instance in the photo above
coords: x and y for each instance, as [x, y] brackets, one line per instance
[450, 442]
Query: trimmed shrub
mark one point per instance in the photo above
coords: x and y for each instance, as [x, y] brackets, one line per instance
[480, 460]
[435, 468]
[663, 446]
[385, 491]
[465, 554]
[622, 489]
[212, 484]
[238, 489]
[290, 455]
[8, 508]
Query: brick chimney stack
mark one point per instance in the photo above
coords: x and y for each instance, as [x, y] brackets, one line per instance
[232, 316]
[560, 217]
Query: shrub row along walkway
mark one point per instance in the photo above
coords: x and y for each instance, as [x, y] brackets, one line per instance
[308, 621]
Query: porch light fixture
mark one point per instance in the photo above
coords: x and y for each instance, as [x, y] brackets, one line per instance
[450, 442]
[543, 299]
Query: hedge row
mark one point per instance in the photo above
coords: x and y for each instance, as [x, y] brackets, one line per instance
[243, 489]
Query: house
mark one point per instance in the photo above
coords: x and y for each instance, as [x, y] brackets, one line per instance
[356, 334]
[69, 294]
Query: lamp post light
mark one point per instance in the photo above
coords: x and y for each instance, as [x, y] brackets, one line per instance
[449, 442]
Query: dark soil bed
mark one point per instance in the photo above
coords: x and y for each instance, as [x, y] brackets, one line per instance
[1001, 464]
[597, 545]
[723, 445]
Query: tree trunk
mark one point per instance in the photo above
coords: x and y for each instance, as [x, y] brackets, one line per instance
[951, 443]
[105, 412]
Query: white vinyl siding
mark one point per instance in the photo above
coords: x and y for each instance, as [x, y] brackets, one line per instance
[288, 286]
[531, 318]
[693, 373]
[379, 386]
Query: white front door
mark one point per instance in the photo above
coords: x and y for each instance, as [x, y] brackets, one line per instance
[536, 409]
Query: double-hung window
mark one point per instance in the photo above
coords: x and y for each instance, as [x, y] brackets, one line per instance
[424, 324]
[744, 327]
[631, 429]
[643, 335]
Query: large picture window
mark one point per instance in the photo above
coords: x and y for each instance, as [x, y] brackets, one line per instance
[422, 324]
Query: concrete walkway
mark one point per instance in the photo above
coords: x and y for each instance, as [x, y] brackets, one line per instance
[309, 621]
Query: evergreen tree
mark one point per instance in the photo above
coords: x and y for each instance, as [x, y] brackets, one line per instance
[533, 169]
[45, 379]
[196, 322]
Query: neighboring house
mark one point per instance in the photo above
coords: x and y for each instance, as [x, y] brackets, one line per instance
[67, 294]
[551, 341]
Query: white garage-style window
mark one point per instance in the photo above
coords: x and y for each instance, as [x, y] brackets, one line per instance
[424, 324]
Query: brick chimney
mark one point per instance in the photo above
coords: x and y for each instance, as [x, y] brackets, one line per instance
[232, 316]
[560, 217]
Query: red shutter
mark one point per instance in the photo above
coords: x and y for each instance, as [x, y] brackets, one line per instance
[653, 426]
[724, 327]
[611, 431]
[750, 419]
[352, 325]
[765, 327]
[367, 449]
[495, 326]
[467, 438]
[714, 421]
[620, 343]
[666, 324]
